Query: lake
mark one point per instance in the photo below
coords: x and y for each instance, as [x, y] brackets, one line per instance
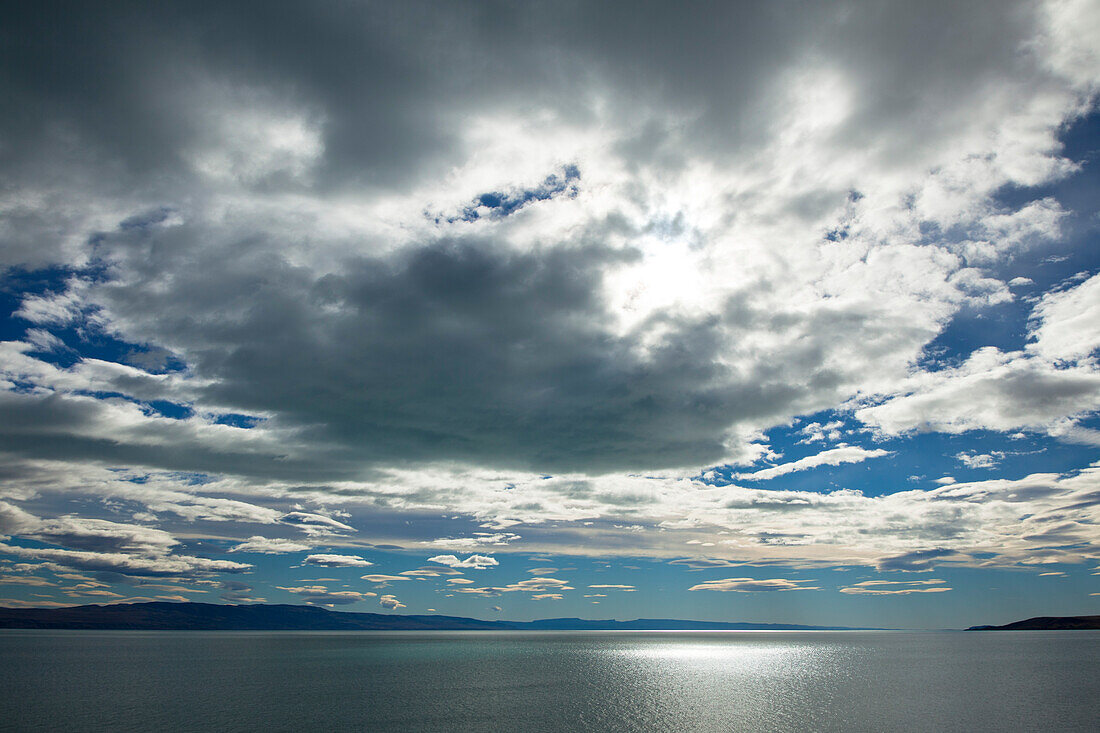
[549, 681]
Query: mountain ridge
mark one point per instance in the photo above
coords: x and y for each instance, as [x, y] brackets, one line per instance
[1046, 623]
[172, 616]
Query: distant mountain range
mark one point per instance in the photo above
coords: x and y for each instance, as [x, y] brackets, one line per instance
[1046, 623]
[260, 617]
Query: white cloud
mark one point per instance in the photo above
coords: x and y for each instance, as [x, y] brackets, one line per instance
[128, 564]
[832, 457]
[43, 340]
[991, 390]
[480, 539]
[534, 585]
[319, 595]
[816, 432]
[337, 561]
[1009, 233]
[51, 309]
[973, 459]
[527, 585]
[247, 138]
[270, 546]
[380, 578]
[751, 585]
[1068, 323]
[476, 562]
[102, 545]
[314, 524]
[1046, 387]
[390, 602]
[896, 587]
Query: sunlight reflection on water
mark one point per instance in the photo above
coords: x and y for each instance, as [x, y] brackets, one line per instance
[195, 681]
[755, 655]
[724, 683]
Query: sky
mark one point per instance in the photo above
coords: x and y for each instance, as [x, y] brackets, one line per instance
[779, 312]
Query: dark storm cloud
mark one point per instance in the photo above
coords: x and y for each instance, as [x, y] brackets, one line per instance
[49, 429]
[390, 79]
[455, 350]
[148, 125]
[112, 100]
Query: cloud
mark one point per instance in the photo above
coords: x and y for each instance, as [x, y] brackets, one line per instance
[896, 587]
[478, 540]
[1046, 387]
[390, 602]
[537, 584]
[1003, 520]
[102, 545]
[916, 561]
[37, 603]
[270, 546]
[1066, 323]
[319, 595]
[337, 561]
[705, 563]
[101, 535]
[475, 562]
[14, 520]
[314, 523]
[25, 580]
[751, 585]
[430, 572]
[973, 459]
[51, 309]
[271, 279]
[832, 457]
[615, 587]
[128, 564]
[44, 340]
[383, 579]
[816, 432]
[527, 585]
[648, 278]
[991, 390]
[100, 593]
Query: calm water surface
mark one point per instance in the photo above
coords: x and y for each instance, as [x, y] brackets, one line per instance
[549, 681]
